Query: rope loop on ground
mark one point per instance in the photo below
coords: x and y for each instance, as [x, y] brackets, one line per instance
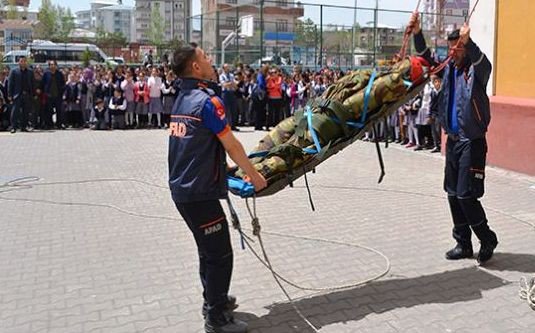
[527, 291]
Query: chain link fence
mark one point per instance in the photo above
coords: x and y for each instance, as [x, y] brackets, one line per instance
[310, 35]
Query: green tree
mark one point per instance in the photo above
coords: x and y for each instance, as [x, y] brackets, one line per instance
[113, 39]
[305, 32]
[47, 16]
[86, 57]
[65, 24]
[57, 22]
[157, 26]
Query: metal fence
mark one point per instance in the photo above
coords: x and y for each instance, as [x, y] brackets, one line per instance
[312, 35]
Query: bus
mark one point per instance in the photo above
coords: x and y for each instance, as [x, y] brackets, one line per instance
[66, 54]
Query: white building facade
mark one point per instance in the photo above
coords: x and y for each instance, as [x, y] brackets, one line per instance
[87, 19]
[117, 19]
[108, 16]
[173, 12]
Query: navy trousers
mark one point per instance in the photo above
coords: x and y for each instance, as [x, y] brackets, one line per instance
[464, 182]
[208, 223]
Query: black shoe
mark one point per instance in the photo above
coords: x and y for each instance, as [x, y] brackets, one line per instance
[460, 252]
[225, 324]
[418, 148]
[436, 150]
[486, 251]
[230, 306]
[13, 131]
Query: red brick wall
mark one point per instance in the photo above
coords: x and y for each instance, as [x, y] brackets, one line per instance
[511, 135]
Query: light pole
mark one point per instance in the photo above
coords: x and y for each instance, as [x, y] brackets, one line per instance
[353, 35]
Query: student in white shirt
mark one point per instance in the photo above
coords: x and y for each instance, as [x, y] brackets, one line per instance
[155, 94]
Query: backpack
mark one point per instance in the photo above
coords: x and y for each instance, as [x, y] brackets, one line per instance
[258, 94]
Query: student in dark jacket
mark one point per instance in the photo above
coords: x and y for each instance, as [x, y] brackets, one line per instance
[117, 108]
[53, 87]
[433, 114]
[19, 91]
[72, 97]
[464, 110]
[100, 115]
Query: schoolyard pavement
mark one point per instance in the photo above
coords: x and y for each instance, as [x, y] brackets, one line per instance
[94, 243]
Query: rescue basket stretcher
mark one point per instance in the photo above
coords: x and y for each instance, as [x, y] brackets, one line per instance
[313, 152]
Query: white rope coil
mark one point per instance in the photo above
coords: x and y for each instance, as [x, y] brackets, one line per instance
[527, 291]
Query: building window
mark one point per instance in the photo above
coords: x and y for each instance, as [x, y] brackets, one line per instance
[282, 25]
[232, 1]
[465, 12]
[282, 3]
[449, 12]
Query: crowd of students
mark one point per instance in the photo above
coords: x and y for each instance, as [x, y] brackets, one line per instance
[415, 124]
[143, 97]
[94, 97]
[263, 97]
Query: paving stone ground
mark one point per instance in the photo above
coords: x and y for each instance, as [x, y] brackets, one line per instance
[127, 263]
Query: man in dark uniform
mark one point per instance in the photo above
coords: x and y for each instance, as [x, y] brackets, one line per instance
[19, 91]
[464, 112]
[199, 136]
[53, 87]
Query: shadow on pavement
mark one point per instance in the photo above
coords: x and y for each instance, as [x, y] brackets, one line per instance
[515, 262]
[354, 304]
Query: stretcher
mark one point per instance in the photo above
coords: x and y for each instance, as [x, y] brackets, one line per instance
[314, 156]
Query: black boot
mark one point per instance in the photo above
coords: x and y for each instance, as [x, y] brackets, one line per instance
[224, 323]
[489, 241]
[461, 232]
[230, 306]
[460, 252]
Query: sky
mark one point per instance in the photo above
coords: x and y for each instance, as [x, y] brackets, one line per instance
[334, 16]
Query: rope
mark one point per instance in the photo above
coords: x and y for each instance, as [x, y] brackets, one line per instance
[527, 291]
[407, 37]
[278, 278]
[527, 288]
[308, 190]
[457, 46]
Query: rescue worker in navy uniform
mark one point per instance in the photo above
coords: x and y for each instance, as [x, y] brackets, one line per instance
[199, 136]
[464, 112]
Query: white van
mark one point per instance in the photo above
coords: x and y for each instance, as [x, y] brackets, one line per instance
[12, 57]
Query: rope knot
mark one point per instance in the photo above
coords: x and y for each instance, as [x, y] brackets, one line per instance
[255, 222]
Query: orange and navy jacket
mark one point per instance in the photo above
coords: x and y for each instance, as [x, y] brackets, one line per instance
[197, 159]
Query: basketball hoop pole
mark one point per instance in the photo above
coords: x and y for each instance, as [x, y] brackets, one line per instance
[224, 44]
